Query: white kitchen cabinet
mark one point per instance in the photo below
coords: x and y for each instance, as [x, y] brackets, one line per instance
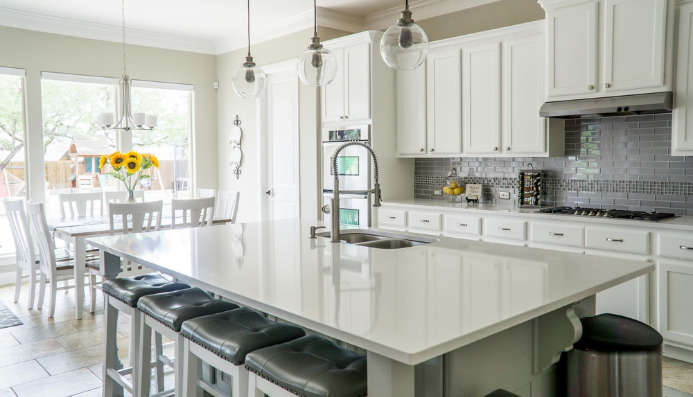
[444, 102]
[572, 54]
[347, 97]
[634, 43]
[675, 297]
[411, 111]
[524, 132]
[481, 98]
[682, 116]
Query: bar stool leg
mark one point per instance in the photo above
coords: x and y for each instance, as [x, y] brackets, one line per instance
[179, 364]
[159, 368]
[110, 387]
[144, 358]
[192, 372]
[239, 384]
[253, 390]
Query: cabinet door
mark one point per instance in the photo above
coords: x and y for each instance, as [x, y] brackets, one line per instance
[634, 33]
[444, 104]
[481, 103]
[682, 122]
[411, 111]
[572, 52]
[357, 81]
[333, 93]
[675, 297]
[524, 132]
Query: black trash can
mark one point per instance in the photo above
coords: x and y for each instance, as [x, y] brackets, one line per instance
[616, 356]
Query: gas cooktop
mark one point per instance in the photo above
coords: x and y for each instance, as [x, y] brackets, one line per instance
[616, 214]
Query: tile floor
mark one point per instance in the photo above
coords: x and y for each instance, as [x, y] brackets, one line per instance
[61, 356]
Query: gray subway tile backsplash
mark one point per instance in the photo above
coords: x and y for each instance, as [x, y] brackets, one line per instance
[612, 163]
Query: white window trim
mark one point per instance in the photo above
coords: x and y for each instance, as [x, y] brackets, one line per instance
[163, 86]
[13, 72]
[78, 78]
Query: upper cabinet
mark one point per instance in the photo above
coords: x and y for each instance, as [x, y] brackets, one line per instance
[347, 97]
[682, 120]
[601, 48]
[478, 96]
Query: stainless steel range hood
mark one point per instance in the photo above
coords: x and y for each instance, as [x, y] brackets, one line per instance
[660, 102]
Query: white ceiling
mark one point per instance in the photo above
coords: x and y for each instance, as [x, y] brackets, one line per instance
[205, 23]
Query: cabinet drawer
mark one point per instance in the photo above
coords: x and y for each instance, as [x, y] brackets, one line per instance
[617, 240]
[392, 218]
[500, 228]
[467, 225]
[678, 246]
[424, 221]
[558, 234]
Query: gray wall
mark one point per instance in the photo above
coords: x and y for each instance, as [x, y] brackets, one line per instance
[610, 163]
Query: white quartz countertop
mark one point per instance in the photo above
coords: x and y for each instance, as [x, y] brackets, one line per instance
[510, 208]
[408, 304]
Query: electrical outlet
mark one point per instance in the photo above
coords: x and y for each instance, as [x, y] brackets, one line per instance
[438, 192]
[504, 195]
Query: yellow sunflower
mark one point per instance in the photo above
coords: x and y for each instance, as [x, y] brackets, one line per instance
[134, 155]
[117, 160]
[132, 164]
[102, 161]
[153, 159]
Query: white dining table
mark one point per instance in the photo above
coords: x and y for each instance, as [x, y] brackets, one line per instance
[74, 230]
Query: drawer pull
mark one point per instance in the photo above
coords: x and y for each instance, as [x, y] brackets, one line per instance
[504, 229]
[462, 224]
[555, 234]
[424, 220]
[391, 217]
[683, 247]
[615, 240]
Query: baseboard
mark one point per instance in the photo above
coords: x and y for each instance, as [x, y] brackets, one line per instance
[678, 353]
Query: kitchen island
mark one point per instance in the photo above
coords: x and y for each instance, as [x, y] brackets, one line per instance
[453, 317]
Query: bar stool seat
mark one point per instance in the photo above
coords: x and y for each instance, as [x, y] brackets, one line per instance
[233, 334]
[310, 366]
[121, 296]
[502, 393]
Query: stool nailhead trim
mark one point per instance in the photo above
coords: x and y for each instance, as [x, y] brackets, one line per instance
[287, 388]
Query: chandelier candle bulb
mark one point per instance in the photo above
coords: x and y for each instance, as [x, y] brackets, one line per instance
[150, 121]
[138, 119]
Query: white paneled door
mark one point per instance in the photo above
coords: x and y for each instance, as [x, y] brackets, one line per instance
[282, 139]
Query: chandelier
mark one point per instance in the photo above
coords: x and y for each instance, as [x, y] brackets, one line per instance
[128, 121]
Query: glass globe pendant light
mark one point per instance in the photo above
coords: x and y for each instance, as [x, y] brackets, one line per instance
[316, 66]
[249, 81]
[404, 44]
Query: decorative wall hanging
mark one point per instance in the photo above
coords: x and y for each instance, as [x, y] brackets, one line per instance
[236, 152]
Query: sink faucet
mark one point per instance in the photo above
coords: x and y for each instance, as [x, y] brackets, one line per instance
[335, 198]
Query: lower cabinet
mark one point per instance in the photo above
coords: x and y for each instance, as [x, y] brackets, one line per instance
[675, 309]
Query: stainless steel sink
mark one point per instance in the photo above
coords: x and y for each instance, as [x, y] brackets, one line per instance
[380, 240]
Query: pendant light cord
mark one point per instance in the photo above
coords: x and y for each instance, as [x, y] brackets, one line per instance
[315, 17]
[248, 27]
[406, 4]
[125, 68]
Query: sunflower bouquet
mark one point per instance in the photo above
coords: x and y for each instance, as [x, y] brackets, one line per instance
[129, 167]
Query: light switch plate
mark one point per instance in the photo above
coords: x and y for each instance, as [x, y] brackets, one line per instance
[504, 195]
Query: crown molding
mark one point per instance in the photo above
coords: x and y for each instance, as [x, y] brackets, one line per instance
[422, 9]
[70, 27]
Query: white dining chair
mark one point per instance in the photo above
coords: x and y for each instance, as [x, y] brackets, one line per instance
[24, 248]
[121, 196]
[206, 193]
[51, 270]
[200, 211]
[227, 204]
[85, 183]
[77, 203]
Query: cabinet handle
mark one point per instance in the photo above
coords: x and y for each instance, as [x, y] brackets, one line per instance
[615, 240]
[346, 117]
[504, 229]
[508, 148]
[590, 87]
[341, 117]
[391, 217]
[422, 150]
[555, 234]
[495, 149]
[462, 224]
[607, 85]
[424, 220]
[683, 247]
[433, 150]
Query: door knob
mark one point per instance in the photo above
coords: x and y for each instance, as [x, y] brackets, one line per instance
[269, 192]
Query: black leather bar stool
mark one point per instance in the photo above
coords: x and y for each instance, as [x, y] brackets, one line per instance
[164, 314]
[502, 393]
[310, 366]
[121, 296]
[223, 340]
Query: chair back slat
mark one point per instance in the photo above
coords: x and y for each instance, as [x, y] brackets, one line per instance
[206, 193]
[42, 236]
[201, 212]
[23, 243]
[77, 203]
[133, 215]
[227, 204]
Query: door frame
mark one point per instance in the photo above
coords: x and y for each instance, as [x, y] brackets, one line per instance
[261, 122]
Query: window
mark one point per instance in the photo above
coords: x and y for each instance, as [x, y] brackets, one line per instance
[12, 148]
[72, 141]
[170, 140]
